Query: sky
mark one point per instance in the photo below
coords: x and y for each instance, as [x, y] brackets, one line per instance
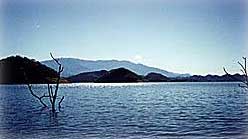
[184, 36]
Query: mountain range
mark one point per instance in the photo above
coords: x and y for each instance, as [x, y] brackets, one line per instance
[124, 75]
[21, 70]
[75, 66]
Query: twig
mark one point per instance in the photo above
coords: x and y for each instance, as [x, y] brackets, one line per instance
[31, 91]
[61, 101]
[225, 71]
[244, 71]
[55, 93]
[52, 94]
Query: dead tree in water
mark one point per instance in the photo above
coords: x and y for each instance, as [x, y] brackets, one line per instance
[52, 93]
[244, 71]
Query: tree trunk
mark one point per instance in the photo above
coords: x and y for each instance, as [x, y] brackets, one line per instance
[52, 94]
[53, 106]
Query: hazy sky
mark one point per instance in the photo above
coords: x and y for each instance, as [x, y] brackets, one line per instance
[186, 36]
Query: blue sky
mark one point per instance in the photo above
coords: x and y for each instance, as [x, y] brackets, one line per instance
[190, 36]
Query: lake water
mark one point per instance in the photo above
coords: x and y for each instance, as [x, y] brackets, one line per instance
[128, 111]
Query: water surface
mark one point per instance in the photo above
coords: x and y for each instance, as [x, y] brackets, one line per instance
[128, 111]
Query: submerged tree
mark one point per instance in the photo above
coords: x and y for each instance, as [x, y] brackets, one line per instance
[52, 92]
[244, 71]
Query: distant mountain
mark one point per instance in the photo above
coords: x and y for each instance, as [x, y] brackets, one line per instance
[120, 75]
[210, 78]
[12, 71]
[87, 76]
[116, 75]
[75, 66]
[156, 77]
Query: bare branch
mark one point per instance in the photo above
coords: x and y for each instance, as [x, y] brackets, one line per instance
[245, 61]
[55, 59]
[44, 95]
[32, 92]
[62, 69]
[52, 92]
[61, 101]
[55, 93]
[39, 98]
[225, 71]
[49, 92]
[244, 71]
[243, 68]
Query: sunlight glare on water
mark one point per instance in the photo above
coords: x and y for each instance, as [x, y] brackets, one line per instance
[130, 110]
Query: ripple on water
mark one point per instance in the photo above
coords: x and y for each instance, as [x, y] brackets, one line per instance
[131, 110]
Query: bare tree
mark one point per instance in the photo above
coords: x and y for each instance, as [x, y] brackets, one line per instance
[244, 71]
[52, 93]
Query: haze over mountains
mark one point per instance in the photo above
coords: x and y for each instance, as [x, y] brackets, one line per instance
[75, 66]
[20, 70]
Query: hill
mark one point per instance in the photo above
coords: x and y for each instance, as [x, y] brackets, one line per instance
[125, 75]
[12, 71]
[211, 78]
[87, 76]
[156, 77]
[119, 75]
[76, 66]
